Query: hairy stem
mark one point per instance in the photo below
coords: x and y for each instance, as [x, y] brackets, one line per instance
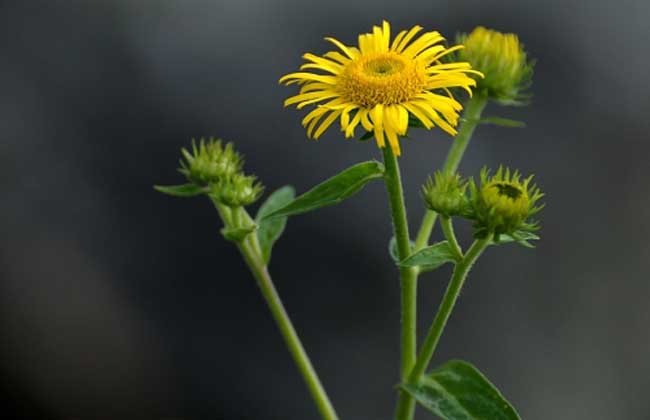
[270, 294]
[408, 275]
[446, 306]
[448, 230]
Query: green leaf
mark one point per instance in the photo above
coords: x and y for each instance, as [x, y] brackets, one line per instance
[431, 257]
[521, 237]
[184, 190]
[392, 250]
[502, 122]
[333, 190]
[237, 234]
[458, 391]
[270, 230]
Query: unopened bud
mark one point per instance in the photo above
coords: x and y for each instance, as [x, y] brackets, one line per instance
[238, 191]
[210, 162]
[445, 194]
[503, 203]
[502, 60]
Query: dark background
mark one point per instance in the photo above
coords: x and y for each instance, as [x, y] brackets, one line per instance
[118, 302]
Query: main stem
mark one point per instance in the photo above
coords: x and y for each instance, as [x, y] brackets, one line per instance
[408, 275]
[446, 306]
[259, 270]
[470, 118]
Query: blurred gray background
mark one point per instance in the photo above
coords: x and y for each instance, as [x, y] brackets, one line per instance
[118, 302]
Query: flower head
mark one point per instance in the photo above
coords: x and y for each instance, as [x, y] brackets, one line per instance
[237, 191]
[445, 194]
[380, 83]
[502, 60]
[216, 170]
[503, 203]
[210, 162]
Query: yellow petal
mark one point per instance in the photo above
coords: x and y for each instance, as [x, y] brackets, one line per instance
[365, 121]
[349, 131]
[379, 136]
[407, 38]
[377, 115]
[419, 115]
[349, 52]
[397, 40]
[328, 121]
[303, 76]
[393, 141]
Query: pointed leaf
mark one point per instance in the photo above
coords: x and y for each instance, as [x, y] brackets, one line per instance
[392, 249]
[502, 122]
[431, 257]
[333, 190]
[521, 237]
[270, 230]
[458, 391]
[184, 190]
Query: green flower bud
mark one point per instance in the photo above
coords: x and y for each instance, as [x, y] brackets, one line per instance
[237, 191]
[503, 203]
[502, 60]
[445, 194]
[210, 162]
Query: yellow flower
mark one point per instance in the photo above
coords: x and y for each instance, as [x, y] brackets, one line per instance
[380, 84]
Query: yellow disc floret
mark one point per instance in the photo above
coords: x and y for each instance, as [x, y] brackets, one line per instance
[385, 78]
[380, 84]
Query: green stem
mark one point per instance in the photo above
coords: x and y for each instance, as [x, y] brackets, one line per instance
[470, 118]
[224, 212]
[446, 306]
[448, 230]
[287, 330]
[246, 221]
[408, 276]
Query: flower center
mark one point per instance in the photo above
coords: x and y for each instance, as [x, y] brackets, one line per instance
[382, 78]
[507, 199]
[509, 191]
[382, 66]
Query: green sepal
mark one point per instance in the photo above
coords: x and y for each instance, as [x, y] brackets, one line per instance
[431, 257]
[270, 230]
[367, 136]
[237, 234]
[520, 236]
[458, 391]
[332, 191]
[184, 190]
